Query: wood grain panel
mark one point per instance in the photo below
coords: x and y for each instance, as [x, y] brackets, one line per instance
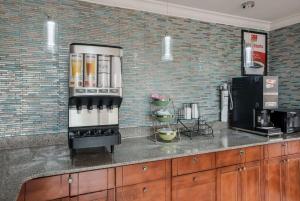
[292, 180]
[92, 181]
[149, 191]
[21, 196]
[294, 147]
[253, 153]
[273, 179]
[275, 150]
[195, 163]
[111, 178]
[139, 173]
[230, 157]
[196, 187]
[251, 176]
[119, 176]
[228, 184]
[98, 196]
[47, 188]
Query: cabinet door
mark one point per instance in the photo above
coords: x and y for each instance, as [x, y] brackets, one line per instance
[273, 179]
[91, 181]
[150, 191]
[196, 187]
[47, 188]
[251, 181]
[292, 179]
[228, 184]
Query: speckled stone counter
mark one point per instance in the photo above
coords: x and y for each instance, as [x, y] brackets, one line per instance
[20, 165]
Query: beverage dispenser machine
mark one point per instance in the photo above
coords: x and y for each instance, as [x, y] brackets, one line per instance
[95, 96]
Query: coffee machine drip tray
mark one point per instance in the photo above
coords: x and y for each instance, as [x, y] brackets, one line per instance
[269, 131]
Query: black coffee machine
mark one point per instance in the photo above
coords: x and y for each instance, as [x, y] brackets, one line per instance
[254, 97]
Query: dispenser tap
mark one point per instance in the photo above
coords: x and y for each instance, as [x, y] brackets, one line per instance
[78, 105]
[90, 105]
[100, 105]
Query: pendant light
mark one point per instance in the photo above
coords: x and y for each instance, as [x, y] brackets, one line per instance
[50, 34]
[167, 41]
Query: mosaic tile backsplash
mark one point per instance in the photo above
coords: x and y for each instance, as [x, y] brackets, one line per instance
[34, 81]
[285, 62]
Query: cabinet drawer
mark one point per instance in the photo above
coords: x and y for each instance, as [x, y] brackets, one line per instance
[91, 181]
[192, 164]
[194, 179]
[275, 150]
[139, 173]
[294, 147]
[99, 196]
[47, 188]
[237, 156]
[149, 191]
[197, 186]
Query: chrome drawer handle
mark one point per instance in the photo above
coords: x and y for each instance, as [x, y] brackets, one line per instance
[242, 152]
[145, 190]
[145, 168]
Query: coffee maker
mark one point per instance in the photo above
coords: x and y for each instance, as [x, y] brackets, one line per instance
[254, 98]
[95, 96]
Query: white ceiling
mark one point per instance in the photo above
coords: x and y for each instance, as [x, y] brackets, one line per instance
[269, 10]
[266, 15]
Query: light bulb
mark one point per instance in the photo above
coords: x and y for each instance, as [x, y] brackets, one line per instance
[167, 47]
[51, 35]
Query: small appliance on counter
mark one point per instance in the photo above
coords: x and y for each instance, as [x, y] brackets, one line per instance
[286, 119]
[95, 96]
[254, 98]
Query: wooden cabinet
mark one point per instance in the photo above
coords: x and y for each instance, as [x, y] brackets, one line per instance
[293, 147]
[196, 187]
[292, 180]
[275, 150]
[240, 176]
[140, 173]
[251, 180]
[47, 188]
[21, 196]
[238, 156]
[240, 182]
[149, 191]
[282, 179]
[91, 181]
[191, 164]
[228, 184]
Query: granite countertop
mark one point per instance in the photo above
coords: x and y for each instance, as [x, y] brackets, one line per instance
[20, 165]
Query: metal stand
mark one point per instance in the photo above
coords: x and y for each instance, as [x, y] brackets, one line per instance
[158, 124]
[195, 127]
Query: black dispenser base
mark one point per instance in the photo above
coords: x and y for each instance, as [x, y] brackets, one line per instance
[80, 142]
